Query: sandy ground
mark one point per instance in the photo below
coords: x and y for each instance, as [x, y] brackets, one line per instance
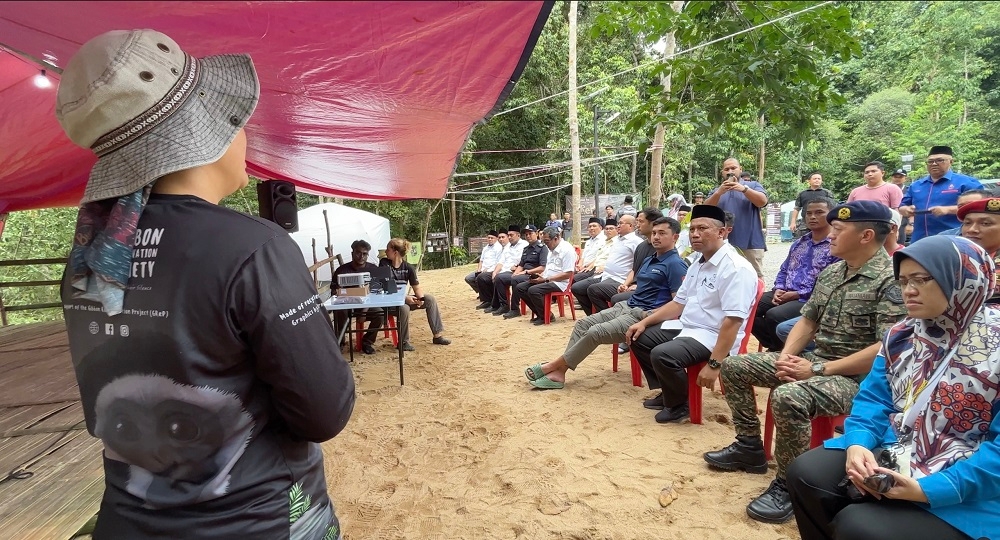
[467, 449]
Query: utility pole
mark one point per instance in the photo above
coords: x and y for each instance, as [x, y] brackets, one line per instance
[574, 127]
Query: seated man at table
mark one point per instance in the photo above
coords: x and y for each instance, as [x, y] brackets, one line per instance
[658, 279]
[359, 263]
[854, 303]
[706, 318]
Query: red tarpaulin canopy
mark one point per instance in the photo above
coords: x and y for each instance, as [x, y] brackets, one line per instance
[369, 100]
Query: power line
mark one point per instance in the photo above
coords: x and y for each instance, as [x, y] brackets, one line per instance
[651, 62]
[504, 201]
[528, 175]
[562, 170]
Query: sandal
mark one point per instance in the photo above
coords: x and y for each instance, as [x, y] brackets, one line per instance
[545, 383]
[534, 372]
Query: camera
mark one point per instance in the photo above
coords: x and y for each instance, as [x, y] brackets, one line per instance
[879, 482]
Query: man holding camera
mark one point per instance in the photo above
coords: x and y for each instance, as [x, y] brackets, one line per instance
[744, 199]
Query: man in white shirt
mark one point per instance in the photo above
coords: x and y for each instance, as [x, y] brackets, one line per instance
[484, 281]
[487, 260]
[559, 266]
[502, 272]
[705, 321]
[619, 264]
[595, 251]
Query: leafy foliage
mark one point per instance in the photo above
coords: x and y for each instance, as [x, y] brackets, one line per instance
[298, 502]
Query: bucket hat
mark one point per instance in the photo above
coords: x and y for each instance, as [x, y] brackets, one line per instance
[147, 108]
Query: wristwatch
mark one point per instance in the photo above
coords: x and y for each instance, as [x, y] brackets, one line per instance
[818, 368]
[745, 188]
[714, 364]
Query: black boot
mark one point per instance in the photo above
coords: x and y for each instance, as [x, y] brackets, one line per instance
[772, 506]
[747, 454]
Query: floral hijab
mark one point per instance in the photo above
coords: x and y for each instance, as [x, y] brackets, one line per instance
[958, 413]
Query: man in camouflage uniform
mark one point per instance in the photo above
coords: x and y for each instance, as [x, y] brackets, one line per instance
[855, 301]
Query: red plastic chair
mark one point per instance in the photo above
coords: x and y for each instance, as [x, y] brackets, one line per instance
[386, 333]
[694, 391]
[822, 429]
[568, 294]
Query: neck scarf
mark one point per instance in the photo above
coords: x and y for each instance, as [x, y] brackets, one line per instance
[101, 258]
[958, 413]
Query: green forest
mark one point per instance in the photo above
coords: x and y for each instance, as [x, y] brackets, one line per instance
[788, 87]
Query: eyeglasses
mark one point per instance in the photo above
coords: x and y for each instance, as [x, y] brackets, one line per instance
[916, 281]
[936, 161]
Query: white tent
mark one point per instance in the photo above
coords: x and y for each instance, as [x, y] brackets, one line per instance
[346, 225]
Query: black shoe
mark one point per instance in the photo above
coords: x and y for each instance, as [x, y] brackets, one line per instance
[622, 348]
[772, 506]
[484, 305]
[673, 414]
[745, 454]
[408, 348]
[499, 311]
[655, 403]
[367, 348]
[511, 314]
[539, 321]
[441, 341]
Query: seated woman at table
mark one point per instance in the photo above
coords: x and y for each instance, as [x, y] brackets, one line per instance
[406, 275]
[933, 396]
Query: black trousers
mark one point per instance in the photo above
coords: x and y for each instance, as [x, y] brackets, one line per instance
[501, 285]
[518, 288]
[484, 286]
[663, 356]
[601, 293]
[769, 316]
[823, 511]
[535, 297]
[372, 315]
[579, 289]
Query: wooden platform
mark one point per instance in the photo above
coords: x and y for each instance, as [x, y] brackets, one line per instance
[42, 431]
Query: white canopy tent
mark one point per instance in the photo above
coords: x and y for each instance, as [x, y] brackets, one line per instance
[346, 225]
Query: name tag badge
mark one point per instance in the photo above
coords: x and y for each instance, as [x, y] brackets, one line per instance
[821, 290]
[861, 321]
[863, 296]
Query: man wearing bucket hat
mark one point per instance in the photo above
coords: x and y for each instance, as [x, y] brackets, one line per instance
[205, 364]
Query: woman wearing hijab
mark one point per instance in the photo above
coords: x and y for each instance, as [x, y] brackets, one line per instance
[932, 396]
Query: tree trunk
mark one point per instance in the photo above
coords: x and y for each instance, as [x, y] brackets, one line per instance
[423, 230]
[574, 127]
[655, 170]
[760, 164]
[454, 223]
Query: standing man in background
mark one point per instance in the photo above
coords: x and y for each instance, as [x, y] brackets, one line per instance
[876, 188]
[899, 178]
[932, 201]
[743, 199]
[815, 191]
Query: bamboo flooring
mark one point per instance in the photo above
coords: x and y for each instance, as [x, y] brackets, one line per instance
[42, 431]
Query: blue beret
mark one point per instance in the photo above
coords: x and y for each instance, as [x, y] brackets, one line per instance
[860, 211]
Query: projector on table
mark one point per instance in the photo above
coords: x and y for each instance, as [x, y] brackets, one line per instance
[359, 279]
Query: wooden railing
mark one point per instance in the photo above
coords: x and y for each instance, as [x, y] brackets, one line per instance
[37, 283]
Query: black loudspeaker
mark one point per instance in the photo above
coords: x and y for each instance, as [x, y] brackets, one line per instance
[277, 203]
